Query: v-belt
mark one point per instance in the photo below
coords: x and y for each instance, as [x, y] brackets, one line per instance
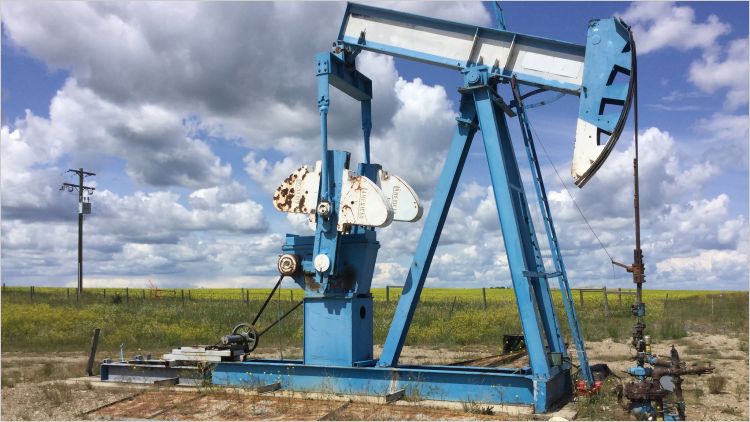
[263, 308]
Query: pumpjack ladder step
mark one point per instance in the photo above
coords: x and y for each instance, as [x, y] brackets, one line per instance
[534, 274]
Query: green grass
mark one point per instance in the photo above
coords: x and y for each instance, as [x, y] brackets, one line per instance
[54, 322]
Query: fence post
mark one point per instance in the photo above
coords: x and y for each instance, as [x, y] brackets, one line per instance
[666, 299]
[452, 306]
[3, 287]
[67, 292]
[606, 302]
[182, 296]
[387, 294]
[247, 293]
[484, 297]
[105, 292]
[580, 293]
[127, 295]
[143, 294]
[619, 296]
[291, 296]
[92, 355]
[190, 298]
[31, 292]
[712, 304]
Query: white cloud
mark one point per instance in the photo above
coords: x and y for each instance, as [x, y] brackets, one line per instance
[84, 127]
[712, 73]
[659, 25]
[149, 93]
[150, 90]
[663, 24]
[709, 269]
[726, 139]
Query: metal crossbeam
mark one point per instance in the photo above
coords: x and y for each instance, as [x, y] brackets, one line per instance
[537, 61]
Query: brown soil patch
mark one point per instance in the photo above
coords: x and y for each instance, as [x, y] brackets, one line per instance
[229, 406]
[30, 391]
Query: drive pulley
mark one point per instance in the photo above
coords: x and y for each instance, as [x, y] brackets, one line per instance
[245, 334]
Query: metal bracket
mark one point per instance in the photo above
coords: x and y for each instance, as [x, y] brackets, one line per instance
[269, 387]
[395, 396]
[534, 274]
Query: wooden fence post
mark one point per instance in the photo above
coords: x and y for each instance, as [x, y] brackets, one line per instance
[31, 292]
[92, 355]
[291, 296]
[452, 306]
[242, 294]
[143, 294]
[712, 304]
[580, 293]
[127, 295]
[606, 302]
[182, 296]
[190, 298]
[484, 297]
[387, 294]
[67, 292]
[105, 292]
[247, 293]
[619, 296]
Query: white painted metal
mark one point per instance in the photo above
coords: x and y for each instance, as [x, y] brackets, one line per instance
[322, 263]
[410, 37]
[586, 149]
[461, 48]
[362, 203]
[404, 201]
[299, 192]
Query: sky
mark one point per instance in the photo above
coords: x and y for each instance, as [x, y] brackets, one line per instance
[192, 113]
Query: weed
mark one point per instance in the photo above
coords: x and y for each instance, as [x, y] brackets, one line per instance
[57, 393]
[156, 324]
[716, 384]
[476, 408]
[698, 393]
[412, 393]
[730, 410]
[672, 328]
[47, 369]
[8, 382]
[602, 406]
[740, 390]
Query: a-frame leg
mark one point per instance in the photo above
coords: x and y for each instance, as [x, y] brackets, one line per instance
[540, 326]
[459, 149]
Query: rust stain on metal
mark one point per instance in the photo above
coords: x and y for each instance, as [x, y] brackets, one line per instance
[310, 282]
[289, 196]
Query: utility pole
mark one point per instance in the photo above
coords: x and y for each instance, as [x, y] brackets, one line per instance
[84, 207]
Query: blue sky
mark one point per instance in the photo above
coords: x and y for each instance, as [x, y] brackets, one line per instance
[189, 131]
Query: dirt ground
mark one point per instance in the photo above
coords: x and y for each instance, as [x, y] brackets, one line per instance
[35, 391]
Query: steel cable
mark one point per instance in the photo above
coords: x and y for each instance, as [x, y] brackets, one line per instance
[544, 149]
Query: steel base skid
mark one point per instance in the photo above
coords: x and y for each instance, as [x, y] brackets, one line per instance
[500, 386]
